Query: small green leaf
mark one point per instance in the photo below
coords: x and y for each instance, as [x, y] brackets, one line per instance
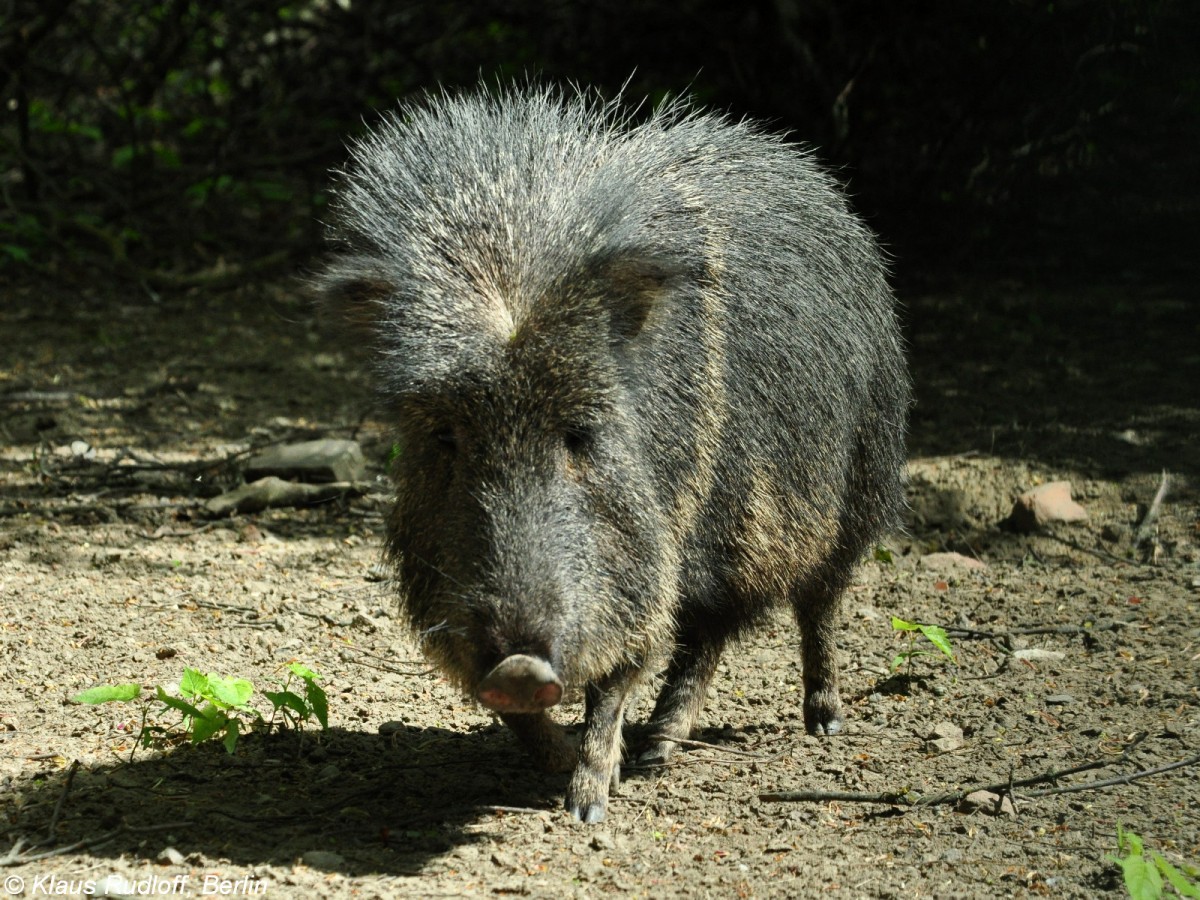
[181, 705]
[884, 555]
[937, 637]
[149, 733]
[318, 701]
[287, 700]
[123, 156]
[1141, 878]
[167, 156]
[1182, 886]
[208, 723]
[15, 252]
[106, 693]
[1129, 840]
[903, 624]
[234, 692]
[88, 131]
[232, 730]
[194, 683]
[271, 190]
[302, 670]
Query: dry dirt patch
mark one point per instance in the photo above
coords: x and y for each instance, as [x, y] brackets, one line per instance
[117, 420]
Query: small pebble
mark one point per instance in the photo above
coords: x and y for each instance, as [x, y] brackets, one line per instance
[1036, 653]
[1044, 504]
[328, 772]
[944, 737]
[986, 802]
[172, 856]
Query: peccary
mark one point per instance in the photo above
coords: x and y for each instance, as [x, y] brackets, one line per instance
[647, 383]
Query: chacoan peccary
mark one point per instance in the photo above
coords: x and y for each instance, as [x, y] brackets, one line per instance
[647, 383]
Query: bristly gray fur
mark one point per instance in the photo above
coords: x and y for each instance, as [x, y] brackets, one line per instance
[648, 381]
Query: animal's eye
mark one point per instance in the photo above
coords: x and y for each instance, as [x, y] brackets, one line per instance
[446, 439]
[578, 440]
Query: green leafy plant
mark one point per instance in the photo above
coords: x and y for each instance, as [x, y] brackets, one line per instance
[1144, 877]
[935, 634]
[213, 705]
[225, 701]
[297, 709]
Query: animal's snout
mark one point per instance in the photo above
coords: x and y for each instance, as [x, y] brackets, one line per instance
[520, 684]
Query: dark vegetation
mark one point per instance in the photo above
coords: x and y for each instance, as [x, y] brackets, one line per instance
[177, 143]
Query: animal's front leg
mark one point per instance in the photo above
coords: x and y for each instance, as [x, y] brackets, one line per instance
[599, 768]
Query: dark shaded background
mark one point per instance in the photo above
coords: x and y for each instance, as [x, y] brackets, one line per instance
[179, 143]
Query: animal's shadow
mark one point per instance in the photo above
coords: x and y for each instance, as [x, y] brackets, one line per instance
[381, 803]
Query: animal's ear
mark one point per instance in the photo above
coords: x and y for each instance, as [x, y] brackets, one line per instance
[351, 296]
[636, 283]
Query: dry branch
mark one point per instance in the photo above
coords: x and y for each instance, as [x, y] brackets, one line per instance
[1146, 530]
[910, 798]
[1025, 630]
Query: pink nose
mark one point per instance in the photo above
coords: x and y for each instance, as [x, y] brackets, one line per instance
[520, 684]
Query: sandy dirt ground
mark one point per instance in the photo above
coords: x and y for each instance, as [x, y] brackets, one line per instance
[1076, 649]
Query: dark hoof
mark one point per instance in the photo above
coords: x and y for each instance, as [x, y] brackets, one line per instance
[588, 793]
[657, 753]
[833, 726]
[588, 813]
[823, 722]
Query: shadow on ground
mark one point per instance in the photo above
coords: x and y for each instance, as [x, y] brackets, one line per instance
[1103, 379]
[411, 795]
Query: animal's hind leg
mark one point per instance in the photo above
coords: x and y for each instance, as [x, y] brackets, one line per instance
[682, 698]
[816, 606]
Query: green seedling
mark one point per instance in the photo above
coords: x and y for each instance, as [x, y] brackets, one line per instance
[225, 702]
[935, 634]
[1144, 877]
[122, 693]
[214, 705]
[295, 709]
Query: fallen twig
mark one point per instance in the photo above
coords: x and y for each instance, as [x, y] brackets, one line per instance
[1110, 782]
[163, 532]
[327, 619]
[1094, 551]
[702, 745]
[15, 856]
[62, 798]
[225, 607]
[960, 632]
[1150, 520]
[910, 798]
